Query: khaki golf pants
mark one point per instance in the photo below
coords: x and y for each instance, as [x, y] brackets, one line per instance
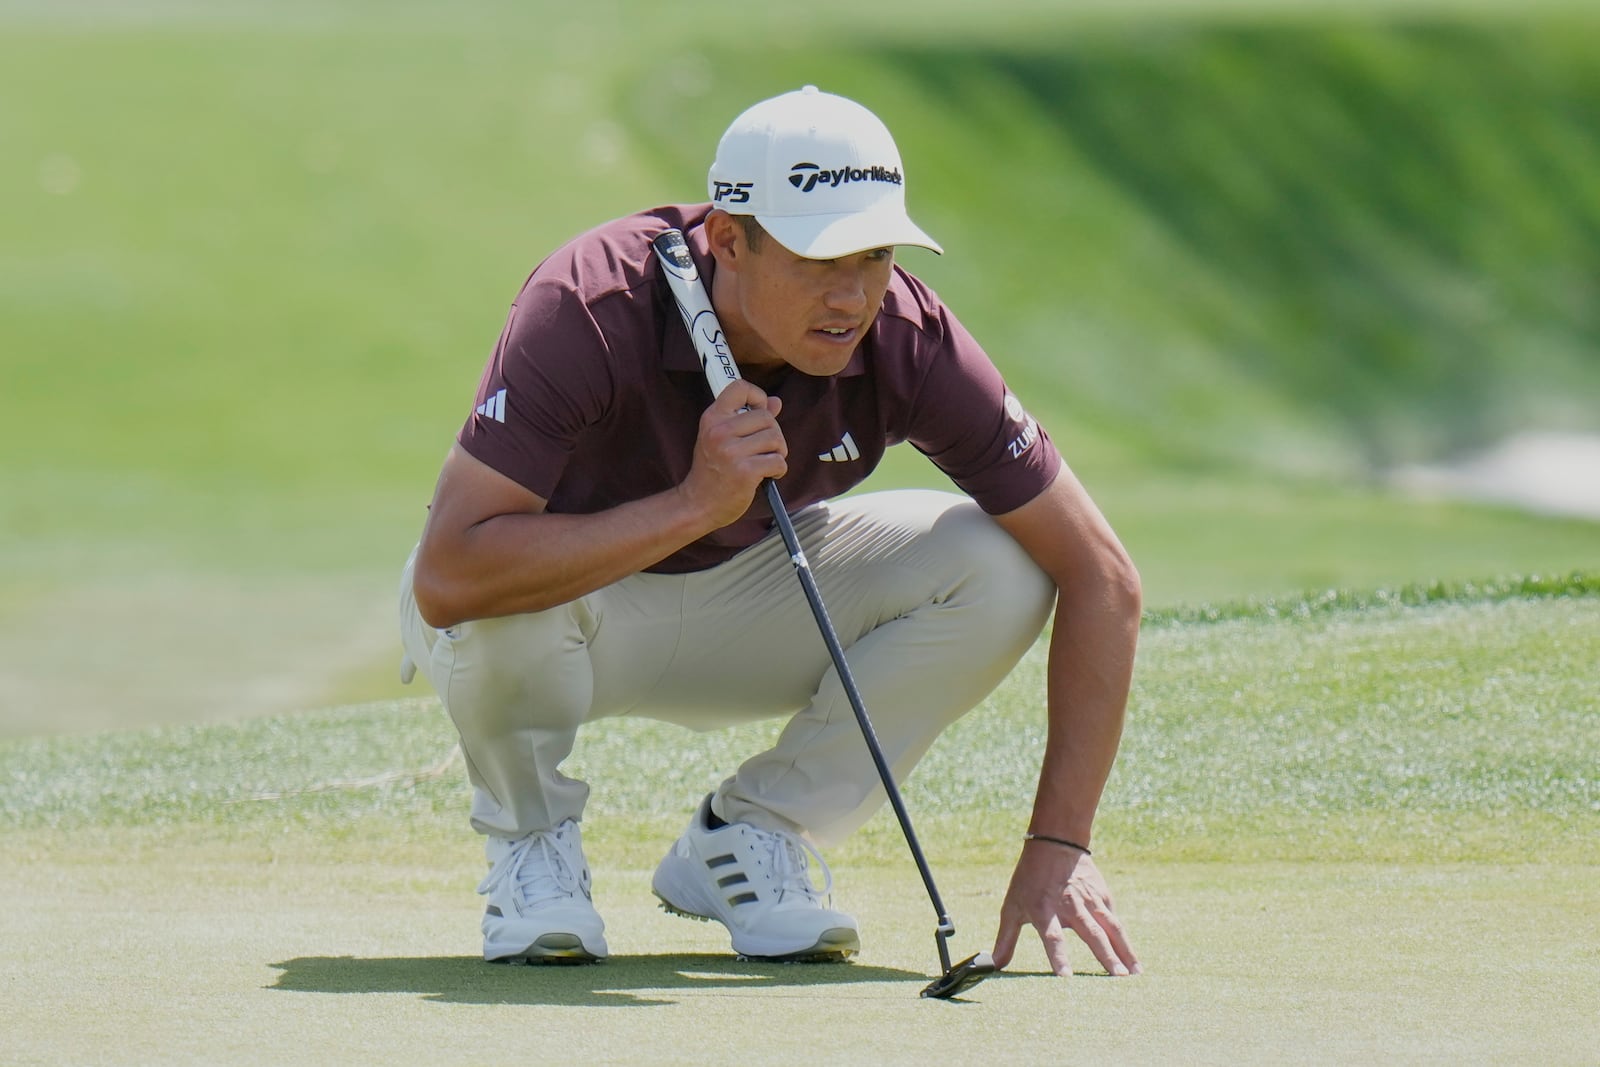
[932, 600]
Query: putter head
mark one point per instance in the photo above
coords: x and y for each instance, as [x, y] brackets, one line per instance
[963, 976]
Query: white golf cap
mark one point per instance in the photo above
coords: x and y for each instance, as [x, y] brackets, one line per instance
[820, 173]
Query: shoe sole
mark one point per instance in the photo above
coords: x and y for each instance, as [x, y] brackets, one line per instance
[834, 945]
[552, 949]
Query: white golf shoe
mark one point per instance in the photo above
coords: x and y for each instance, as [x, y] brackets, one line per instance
[757, 883]
[539, 908]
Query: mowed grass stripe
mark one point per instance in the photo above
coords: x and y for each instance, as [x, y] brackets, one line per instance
[1446, 731]
[1414, 594]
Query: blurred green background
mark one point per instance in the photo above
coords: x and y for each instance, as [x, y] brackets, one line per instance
[1244, 260]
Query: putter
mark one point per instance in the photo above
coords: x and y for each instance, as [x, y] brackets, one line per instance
[717, 360]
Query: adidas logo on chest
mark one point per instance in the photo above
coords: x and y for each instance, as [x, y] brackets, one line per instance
[843, 452]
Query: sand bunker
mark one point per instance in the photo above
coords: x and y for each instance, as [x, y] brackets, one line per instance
[1548, 473]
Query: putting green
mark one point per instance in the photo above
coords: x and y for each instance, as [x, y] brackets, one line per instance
[271, 952]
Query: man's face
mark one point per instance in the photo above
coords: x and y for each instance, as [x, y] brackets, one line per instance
[809, 313]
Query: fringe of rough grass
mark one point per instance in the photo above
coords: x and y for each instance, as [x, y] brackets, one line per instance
[1330, 601]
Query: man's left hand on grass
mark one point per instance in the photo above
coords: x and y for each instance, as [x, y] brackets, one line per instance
[1055, 889]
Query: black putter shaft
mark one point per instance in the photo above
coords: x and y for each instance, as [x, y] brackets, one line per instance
[802, 569]
[717, 360]
[974, 969]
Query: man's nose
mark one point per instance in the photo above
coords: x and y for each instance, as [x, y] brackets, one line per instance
[847, 288]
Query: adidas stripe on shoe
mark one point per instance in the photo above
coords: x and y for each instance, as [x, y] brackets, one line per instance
[757, 883]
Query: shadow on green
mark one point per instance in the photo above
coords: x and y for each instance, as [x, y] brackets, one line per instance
[622, 981]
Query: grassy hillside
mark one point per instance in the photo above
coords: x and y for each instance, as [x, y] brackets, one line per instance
[1325, 245]
[255, 255]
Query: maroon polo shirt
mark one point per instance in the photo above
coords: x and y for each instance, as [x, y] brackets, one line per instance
[594, 394]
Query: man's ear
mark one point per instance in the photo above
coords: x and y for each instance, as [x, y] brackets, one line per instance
[726, 238]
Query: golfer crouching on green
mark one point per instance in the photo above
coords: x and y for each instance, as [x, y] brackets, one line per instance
[596, 546]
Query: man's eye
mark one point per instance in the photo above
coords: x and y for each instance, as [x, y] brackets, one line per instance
[878, 255]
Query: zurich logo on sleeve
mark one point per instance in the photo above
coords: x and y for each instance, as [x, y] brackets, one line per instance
[1027, 427]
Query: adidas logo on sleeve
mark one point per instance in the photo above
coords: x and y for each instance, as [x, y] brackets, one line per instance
[493, 408]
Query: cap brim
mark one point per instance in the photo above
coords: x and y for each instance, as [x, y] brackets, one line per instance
[830, 236]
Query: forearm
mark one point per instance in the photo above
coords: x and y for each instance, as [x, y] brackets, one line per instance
[517, 563]
[1089, 673]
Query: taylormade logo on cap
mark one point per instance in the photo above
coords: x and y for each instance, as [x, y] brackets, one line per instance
[821, 174]
[805, 176]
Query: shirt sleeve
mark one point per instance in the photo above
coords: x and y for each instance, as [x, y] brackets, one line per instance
[549, 380]
[970, 425]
